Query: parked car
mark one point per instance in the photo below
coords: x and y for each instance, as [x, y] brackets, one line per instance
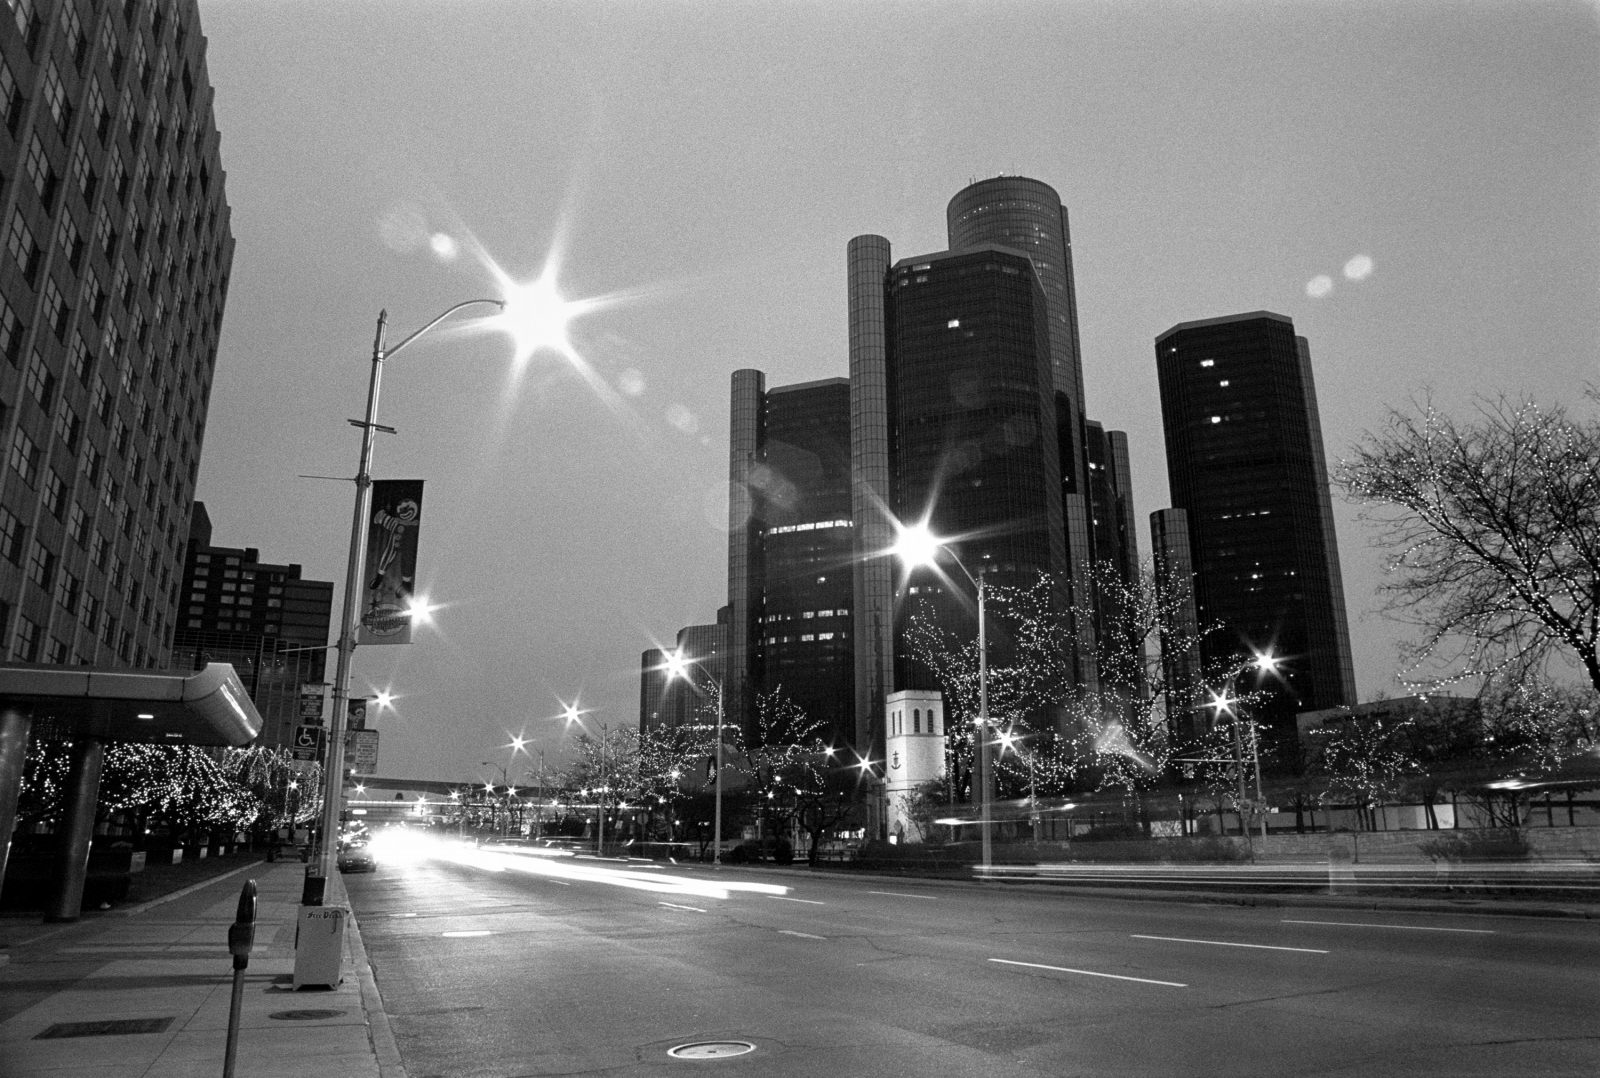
[357, 858]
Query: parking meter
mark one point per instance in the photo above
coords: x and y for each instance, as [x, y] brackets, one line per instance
[242, 933]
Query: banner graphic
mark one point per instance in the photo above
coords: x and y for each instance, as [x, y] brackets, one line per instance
[391, 562]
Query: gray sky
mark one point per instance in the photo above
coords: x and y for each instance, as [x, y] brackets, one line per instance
[708, 162]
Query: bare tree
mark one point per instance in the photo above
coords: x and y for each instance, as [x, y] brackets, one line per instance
[1494, 525]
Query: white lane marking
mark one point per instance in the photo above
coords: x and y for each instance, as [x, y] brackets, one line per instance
[675, 906]
[807, 901]
[463, 935]
[1223, 943]
[1408, 928]
[1087, 973]
[559, 883]
[901, 894]
[802, 935]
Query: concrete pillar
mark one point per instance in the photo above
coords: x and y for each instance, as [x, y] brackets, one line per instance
[14, 726]
[77, 830]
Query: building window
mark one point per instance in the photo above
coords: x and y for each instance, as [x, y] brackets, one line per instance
[39, 171]
[55, 310]
[10, 332]
[55, 96]
[24, 456]
[68, 589]
[12, 533]
[10, 97]
[41, 383]
[99, 116]
[97, 550]
[27, 644]
[77, 45]
[68, 426]
[78, 359]
[70, 241]
[105, 233]
[77, 523]
[54, 492]
[41, 565]
[83, 173]
[24, 252]
[90, 614]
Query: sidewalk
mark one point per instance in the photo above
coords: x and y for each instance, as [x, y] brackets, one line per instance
[146, 992]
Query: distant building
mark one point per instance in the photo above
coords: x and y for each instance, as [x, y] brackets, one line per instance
[1245, 463]
[667, 702]
[112, 285]
[790, 552]
[1173, 560]
[262, 618]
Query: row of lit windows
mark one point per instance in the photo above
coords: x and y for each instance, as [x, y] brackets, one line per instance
[842, 612]
[816, 525]
[806, 638]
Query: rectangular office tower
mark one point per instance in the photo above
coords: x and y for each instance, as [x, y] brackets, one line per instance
[974, 429]
[790, 552]
[1245, 464]
[112, 286]
[262, 618]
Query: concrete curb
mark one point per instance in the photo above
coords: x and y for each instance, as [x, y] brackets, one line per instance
[384, 1047]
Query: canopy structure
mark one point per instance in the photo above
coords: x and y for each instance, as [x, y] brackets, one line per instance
[206, 707]
[92, 707]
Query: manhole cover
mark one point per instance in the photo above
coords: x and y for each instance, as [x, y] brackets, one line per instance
[304, 1016]
[119, 1027]
[711, 1050]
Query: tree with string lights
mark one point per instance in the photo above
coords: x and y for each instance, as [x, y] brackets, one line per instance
[1494, 527]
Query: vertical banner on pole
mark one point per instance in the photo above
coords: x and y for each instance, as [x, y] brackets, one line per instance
[390, 568]
[357, 716]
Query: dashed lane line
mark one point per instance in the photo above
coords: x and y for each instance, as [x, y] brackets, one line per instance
[1088, 973]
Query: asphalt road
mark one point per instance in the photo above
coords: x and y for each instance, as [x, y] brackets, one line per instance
[490, 969]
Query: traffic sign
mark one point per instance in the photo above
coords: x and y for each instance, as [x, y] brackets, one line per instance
[307, 742]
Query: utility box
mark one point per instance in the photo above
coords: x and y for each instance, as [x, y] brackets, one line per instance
[319, 946]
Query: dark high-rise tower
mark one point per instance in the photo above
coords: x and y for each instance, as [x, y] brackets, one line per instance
[1245, 462]
[1026, 215]
[790, 565]
[973, 423]
[894, 356]
[112, 285]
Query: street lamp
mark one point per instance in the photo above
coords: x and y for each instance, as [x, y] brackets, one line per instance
[1227, 701]
[917, 546]
[678, 667]
[334, 792]
[573, 715]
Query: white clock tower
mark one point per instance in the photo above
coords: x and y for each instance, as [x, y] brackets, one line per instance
[914, 743]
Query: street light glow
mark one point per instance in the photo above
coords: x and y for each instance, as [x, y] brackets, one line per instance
[916, 545]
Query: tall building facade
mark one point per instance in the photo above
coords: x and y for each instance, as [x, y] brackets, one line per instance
[264, 619]
[891, 339]
[1245, 463]
[974, 431]
[1027, 215]
[112, 285]
[791, 573]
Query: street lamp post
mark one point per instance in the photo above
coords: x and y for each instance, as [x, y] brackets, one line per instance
[573, 715]
[678, 666]
[917, 546]
[334, 787]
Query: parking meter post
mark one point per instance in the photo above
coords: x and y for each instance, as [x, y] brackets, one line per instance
[241, 938]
